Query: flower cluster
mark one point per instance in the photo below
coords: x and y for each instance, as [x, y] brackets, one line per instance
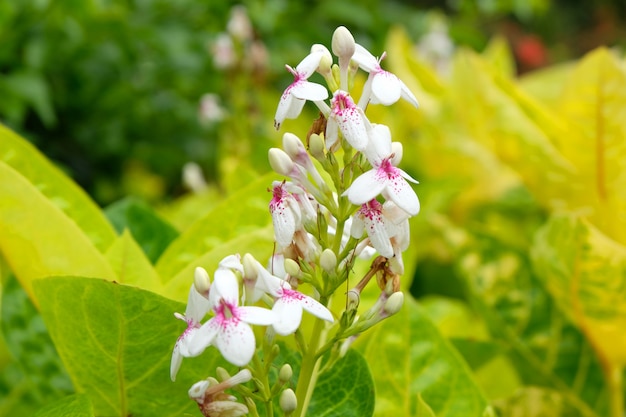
[343, 197]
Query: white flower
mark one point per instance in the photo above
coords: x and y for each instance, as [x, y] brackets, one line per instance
[197, 307]
[382, 86]
[229, 330]
[347, 117]
[288, 303]
[286, 216]
[384, 178]
[293, 98]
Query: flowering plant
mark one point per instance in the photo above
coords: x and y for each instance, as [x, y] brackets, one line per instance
[343, 198]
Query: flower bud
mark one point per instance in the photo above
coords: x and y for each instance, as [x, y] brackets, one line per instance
[292, 145]
[288, 401]
[285, 373]
[222, 373]
[292, 267]
[327, 60]
[317, 146]
[201, 280]
[396, 151]
[394, 303]
[328, 260]
[343, 43]
[280, 162]
[198, 390]
[249, 267]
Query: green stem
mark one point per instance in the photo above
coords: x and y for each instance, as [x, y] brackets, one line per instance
[308, 370]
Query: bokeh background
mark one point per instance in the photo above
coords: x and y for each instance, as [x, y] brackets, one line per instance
[122, 94]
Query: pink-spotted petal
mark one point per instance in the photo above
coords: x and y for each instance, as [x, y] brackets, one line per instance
[284, 221]
[316, 308]
[289, 107]
[305, 90]
[288, 316]
[386, 88]
[365, 188]
[197, 305]
[354, 127]
[400, 192]
[236, 342]
[256, 315]
[378, 235]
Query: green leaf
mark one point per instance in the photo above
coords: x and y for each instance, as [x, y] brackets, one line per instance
[243, 212]
[116, 343]
[545, 348]
[408, 357]
[151, 232]
[37, 238]
[585, 272]
[35, 374]
[61, 191]
[344, 390]
[131, 265]
[71, 406]
[594, 104]
[423, 409]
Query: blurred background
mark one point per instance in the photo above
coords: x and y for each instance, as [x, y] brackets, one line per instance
[123, 94]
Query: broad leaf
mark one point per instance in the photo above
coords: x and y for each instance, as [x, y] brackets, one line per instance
[586, 274]
[594, 103]
[344, 390]
[408, 357]
[116, 343]
[71, 406]
[240, 213]
[151, 232]
[37, 238]
[35, 374]
[131, 265]
[55, 186]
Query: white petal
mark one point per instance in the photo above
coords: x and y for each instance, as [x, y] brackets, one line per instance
[232, 262]
[284, 223]
[408, 95]
[394, 214]
[305, 90]
[309, 64]
[201, 338]
[378, 235]
[197, 305]
[288, 316]
[400, 192]
[357, 228]
[354, 126]
[379, 145]
[226, 284]
[365, 188]
[269, 283]
[364, 58]
[332, 132]
[386, 87]
[289, 107]
[316, 308]
[177, 360]
[256, 315]
[236, 342]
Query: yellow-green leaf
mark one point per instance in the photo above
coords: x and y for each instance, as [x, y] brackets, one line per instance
[131, 264]
[499, 55]
[594, 103]
[57, 187]
[585, 271]
[38, 239]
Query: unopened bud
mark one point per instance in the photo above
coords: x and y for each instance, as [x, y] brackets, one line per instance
[317, 146]
[328, 260]
[288, 401]
[394, 303]
[249, 267]
[396, 151]
[280, 162]
[222, 373]
[241, 377]
[343, 44]
[292, 145]
[285, 373]
[292, 268]
[201, 280]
